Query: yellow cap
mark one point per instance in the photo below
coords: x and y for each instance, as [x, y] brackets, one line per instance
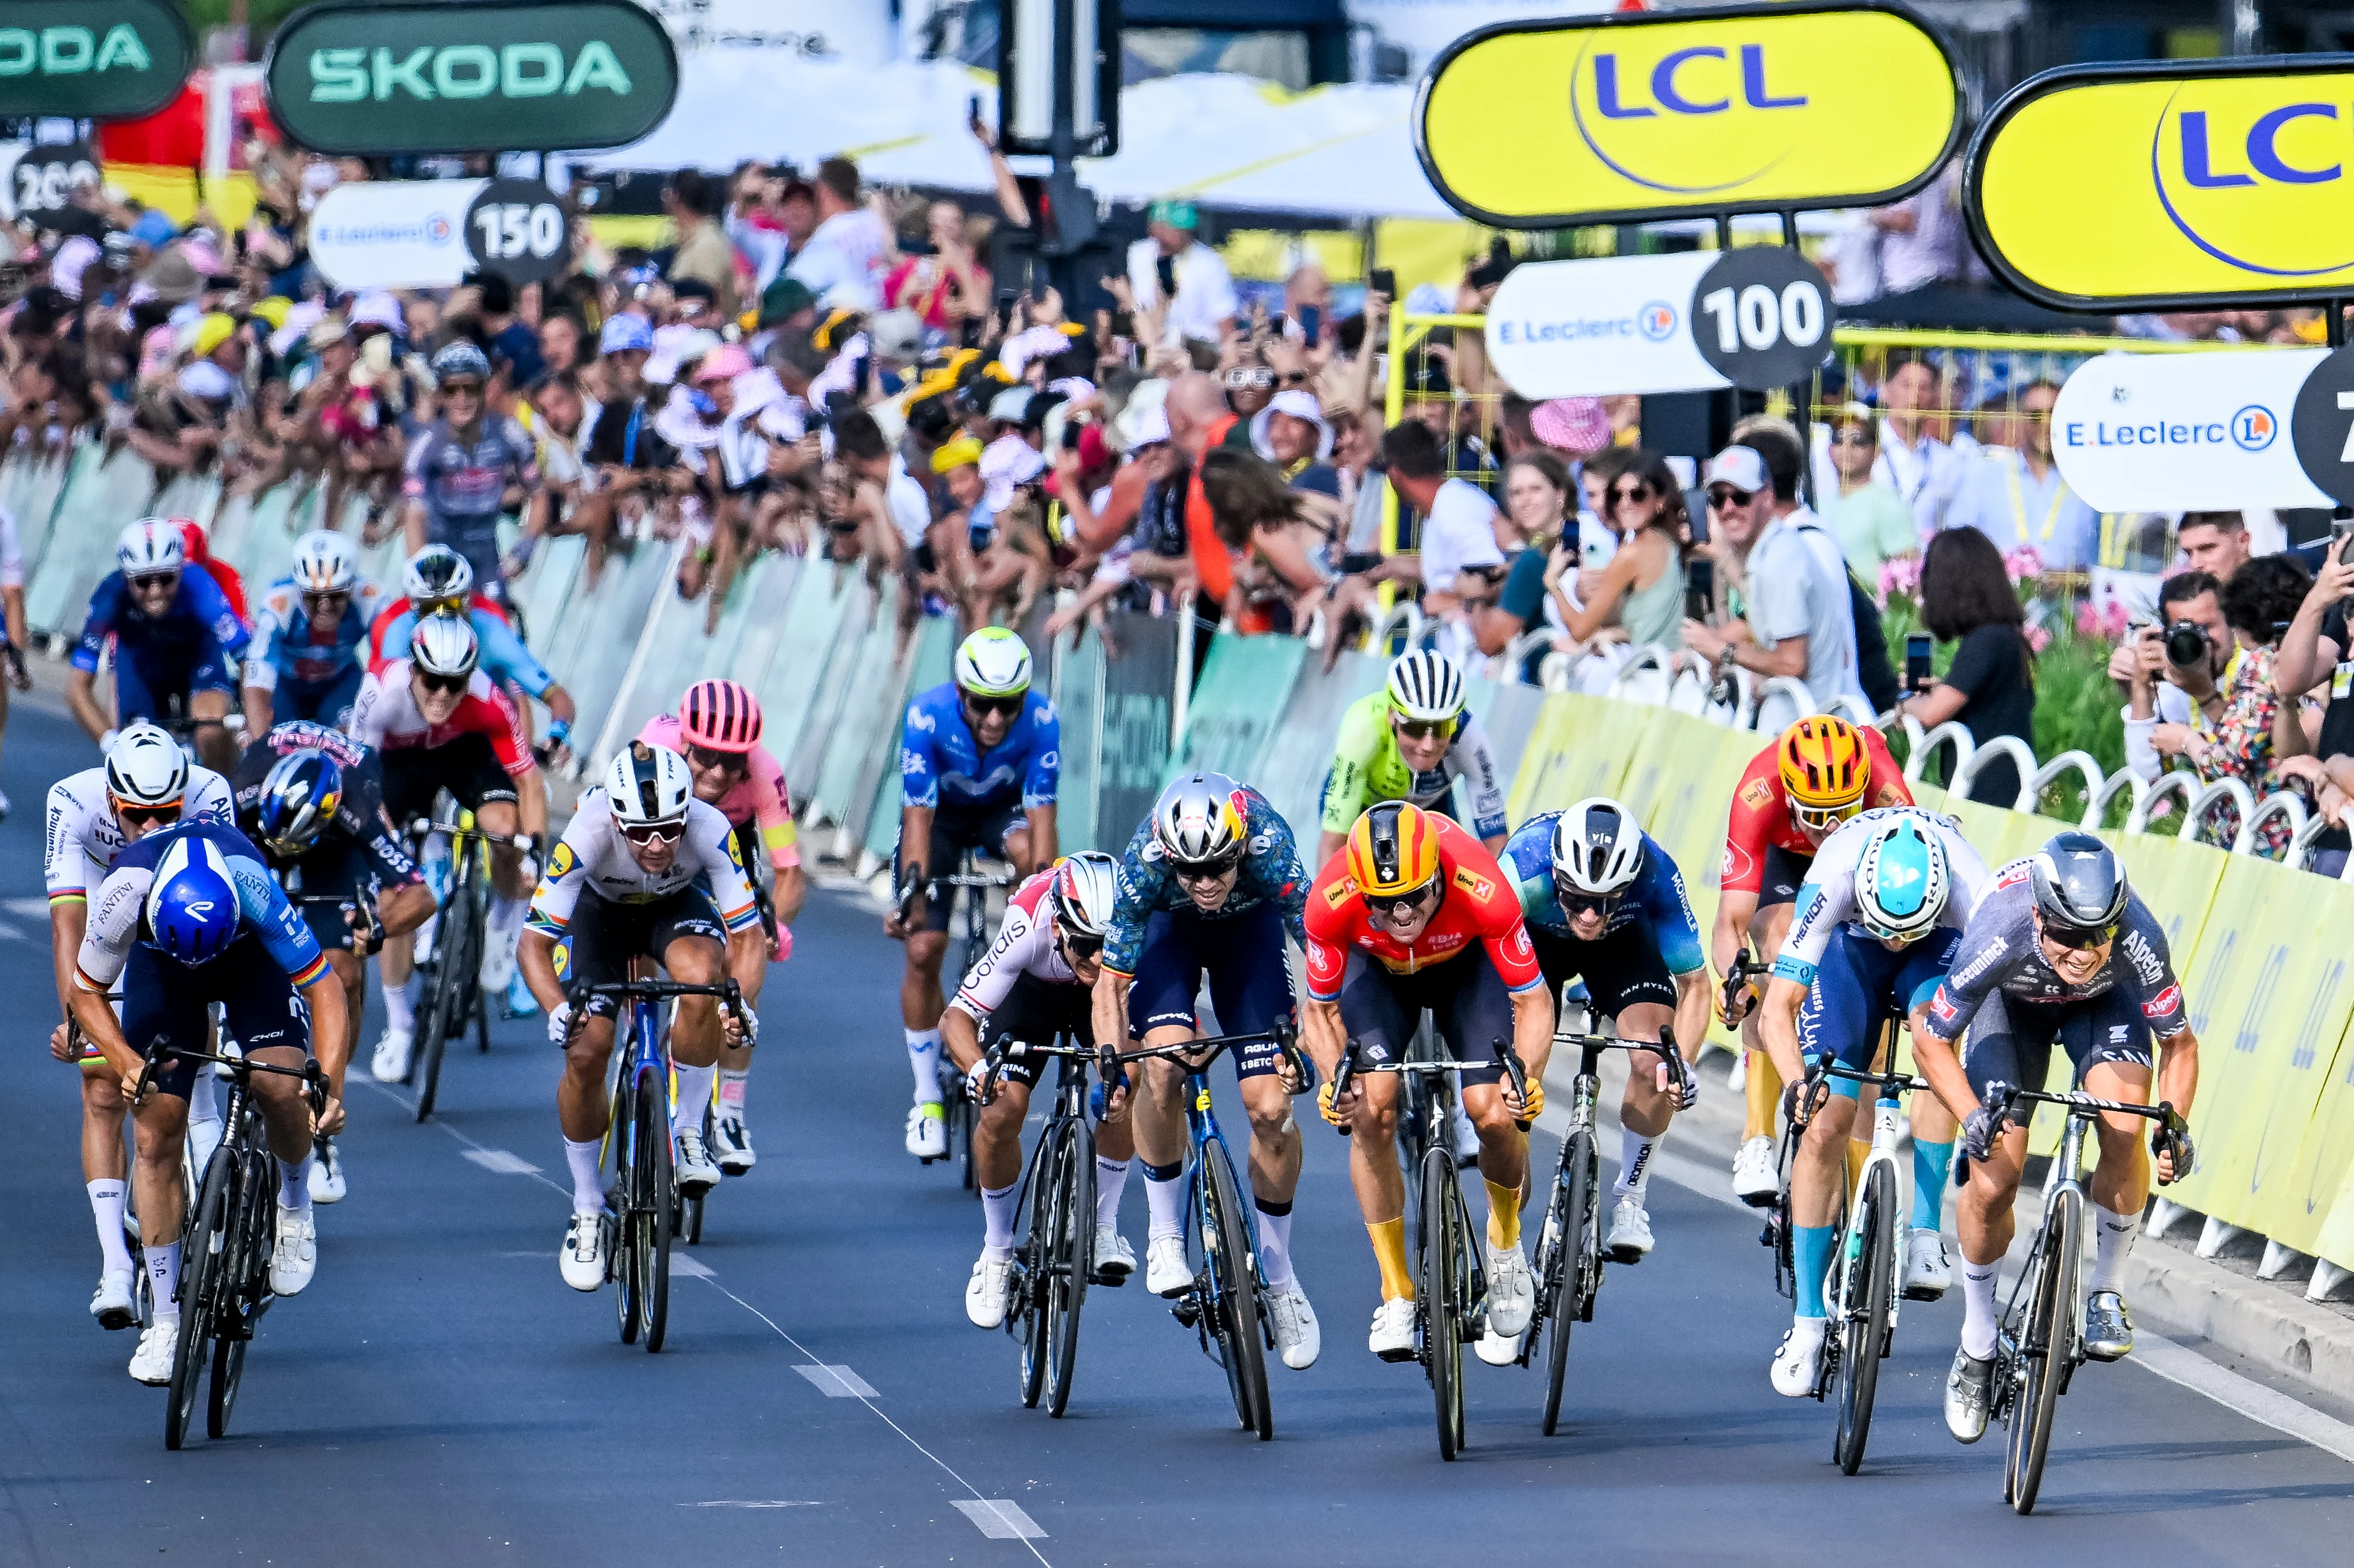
[273, 310]
[213, 331]
[957, 454]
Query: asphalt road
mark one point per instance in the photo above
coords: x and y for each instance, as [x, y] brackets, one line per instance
[439, 1396]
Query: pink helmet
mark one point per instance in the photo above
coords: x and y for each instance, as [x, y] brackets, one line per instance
[720, 716]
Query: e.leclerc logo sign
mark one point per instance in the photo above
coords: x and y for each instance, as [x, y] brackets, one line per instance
[1735, 108]
[2163, 185]
[428, 77]
[2136, 432]
[91, 59]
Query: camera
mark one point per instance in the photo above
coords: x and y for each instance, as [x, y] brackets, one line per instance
[2186, 643]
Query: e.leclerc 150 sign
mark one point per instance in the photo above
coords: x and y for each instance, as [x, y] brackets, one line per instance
[91, 59]
[2164, 185]
[428, 77]
[1747, 108]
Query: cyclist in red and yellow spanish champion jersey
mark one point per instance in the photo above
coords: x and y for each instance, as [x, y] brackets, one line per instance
[1415, 915]
[1817, 773]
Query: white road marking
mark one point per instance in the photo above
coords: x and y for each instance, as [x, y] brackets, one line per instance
[26, 906]
[1001, 1519]
[734, 1502]
[837, 1382]
[682, 1265]
[500, 1163]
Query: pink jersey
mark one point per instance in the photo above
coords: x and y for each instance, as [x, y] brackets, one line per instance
[761, 795]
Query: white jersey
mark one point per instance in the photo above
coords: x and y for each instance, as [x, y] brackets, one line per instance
[83, 838]
[593, 857]
[1827, 898]
[1026, 943]
[12, 556]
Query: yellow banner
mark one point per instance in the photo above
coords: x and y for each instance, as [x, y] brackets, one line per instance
[2171, 185]
[1733, 109]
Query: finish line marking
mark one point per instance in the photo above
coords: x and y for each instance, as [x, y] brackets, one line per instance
[498, 1161]
[839, 1383]
[1001, 1519]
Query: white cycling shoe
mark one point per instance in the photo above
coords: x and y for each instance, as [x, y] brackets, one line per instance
[1115, 1259]
[1799, 1360]
[1293, 1321]
[1630, 1231]
[733, 1146]
[1927, 1275]
[498, 971]
[1496, 1350]
[1512, 1291]
[928, 1133]
[1166, 1272]
[113, 1305]
[582, 1260]
[1392, 1334]
[985, 1294]
[326, 1178]
[696, 1173]
[390, 1062]
[1754, 1180]
[296, 1256]
[151, 1364]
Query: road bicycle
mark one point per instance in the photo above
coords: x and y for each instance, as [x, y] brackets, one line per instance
[1451, 1283]
[1569, 1256]
[1226, 1304]
[642, 1203]
[2040, 1343]
[227, 1241]
[453, 982]
[961, 1116]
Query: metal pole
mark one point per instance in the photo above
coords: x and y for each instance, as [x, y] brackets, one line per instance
[1802, 394]
[2333, 323]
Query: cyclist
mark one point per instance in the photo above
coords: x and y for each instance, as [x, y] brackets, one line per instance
[466, 469]
[176, 643]
[717, 730]
[438, 723]
[1208, 886]
[2061, 950]
[1414, 914]
[1816, 774]
[145, 783]
[1410, 741]
[621, 885]
[1037, 981]
[311, 799]
[1874, 928]
[188, 918]
[306, 663]
[1602, 900]
[978, 762]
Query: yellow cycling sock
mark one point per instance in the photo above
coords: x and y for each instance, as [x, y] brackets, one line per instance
[1857, 1151]
[1389, 1252]
[1504, 1215]
[1763, 1095]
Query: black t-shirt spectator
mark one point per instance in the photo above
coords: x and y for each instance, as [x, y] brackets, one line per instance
[1990, 668]
[624, 437]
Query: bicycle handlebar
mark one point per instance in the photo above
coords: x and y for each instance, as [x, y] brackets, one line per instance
[1106, 1059]
[1803, 1110]
[1744, 969]
[423, 827]
[2081, 1104]
[1505, 1058]
[313, 1075]
[1197, 1054]
[370, 927]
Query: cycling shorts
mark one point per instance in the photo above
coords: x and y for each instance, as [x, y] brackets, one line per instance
[2010, 1040]
[1860, 986]
[167, 1002]
[954, 831]
[1464, 995]
[324, 702]
[1034, 1012]
[1249, 975]
[1620, 969]
[466, 765]
[1782, 873]
[605, 937]
[152, 687]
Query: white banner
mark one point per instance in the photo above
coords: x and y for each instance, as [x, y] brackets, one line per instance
[394, 234]
[1569, 329]
[2184, 433]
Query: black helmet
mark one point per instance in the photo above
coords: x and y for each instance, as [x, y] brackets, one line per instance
[2079, 884]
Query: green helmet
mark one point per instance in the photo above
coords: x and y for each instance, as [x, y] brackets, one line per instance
[993, 663]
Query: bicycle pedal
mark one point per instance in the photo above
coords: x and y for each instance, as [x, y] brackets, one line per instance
[1186, 1310]
[1105, 1277]
[1922, 1293]
[1410, 1353]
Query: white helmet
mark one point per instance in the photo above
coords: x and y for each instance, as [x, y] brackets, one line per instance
[1085, 887]
[146, 768]
[444, 645]
[436, 572]
[1426, 686]
[1901, 882]
[649, 786]
[150, 546]
[993, 663]
[324, 563]
[1597, 849]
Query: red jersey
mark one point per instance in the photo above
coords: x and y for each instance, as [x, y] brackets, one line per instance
[1479, 903]
[1761, 813]
[386, 717]
[401, 606]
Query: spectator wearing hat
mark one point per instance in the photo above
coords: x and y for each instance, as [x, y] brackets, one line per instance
[178, 428]
[848, 254]
[1006, 534]
[701, 251]
[1291, 433]
[1171, 273]
[1796, 621]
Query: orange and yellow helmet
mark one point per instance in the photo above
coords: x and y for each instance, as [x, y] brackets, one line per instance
[1393, 848]
[1825, 769]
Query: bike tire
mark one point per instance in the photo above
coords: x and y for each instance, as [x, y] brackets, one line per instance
[1234, 1286]
[964, 1121]
[445, 1015]
[1442, 1296]
[1073, 1259]
[2045, 1349]
[242, 1288]
[661, 1180]
[1869, 1288]
[482, 1021]
[1030, 1288]
[1564, 1284]
[622, 1265]
[200, 1269]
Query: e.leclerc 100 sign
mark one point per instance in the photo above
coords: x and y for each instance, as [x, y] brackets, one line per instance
[91, 59]
[437, 76]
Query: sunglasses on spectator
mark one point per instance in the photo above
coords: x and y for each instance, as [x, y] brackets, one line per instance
[447, 686]
[1724, 499]
[703, 757]
[146, 581]
[1640, 492]
[1389, 904]
[1854, 436]
[1190, 875]
[1423, 729]
[2080, 941]
[643, 834]
[461, 389]
[1242, 376]
[147, 816]
[983, 706]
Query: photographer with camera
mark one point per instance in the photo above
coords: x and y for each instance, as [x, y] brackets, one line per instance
[2173, 671]
[2317, 653]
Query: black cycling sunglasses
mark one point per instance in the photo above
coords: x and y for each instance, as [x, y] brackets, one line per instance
[1423, 729]
[1080, 948]
[1575, 904]
[1010, 706]
[2079, 940]
[1390, 903]
[724, 761]
[146, 580]
[1188, 874]
[447, 686]
[147, 816]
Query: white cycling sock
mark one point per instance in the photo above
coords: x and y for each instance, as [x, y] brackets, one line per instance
[163, 1277]
[732, 1086]
[694, 1095]
[1274, 1243]
[505, 920]
[1164, 1196]
[924, 1060]
[294, 1183]
[399, 1011]
[588, 1182]
[2113, 1240]
[997, 1220]
[106, 1207]
[1634, 1164]
[1978, 1308]
[1111, 1180]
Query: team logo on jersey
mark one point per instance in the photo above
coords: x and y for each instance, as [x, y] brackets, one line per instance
[1472, 882]
[2014, 873]
[560, 863]
[1323, 962]
[735, 853]
[1942, 1008]
[1734, 866]
[2164, 1003]
[1340, 892]
[1757, 793]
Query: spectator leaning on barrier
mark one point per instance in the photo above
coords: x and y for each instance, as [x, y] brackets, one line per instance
[1870, 519]
[1989, 688]
[1459, 525]
[1795, 621]
[2254, 733]
[2317, 651]
[2173, 671]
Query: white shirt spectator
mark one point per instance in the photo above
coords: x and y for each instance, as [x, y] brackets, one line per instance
[1459, 531]
[911, 509]
[1792, 593]
[1205, 298]
[1931, 252]
[2173, 707]
[2002, 498]
[1926, 473]
[843, 263]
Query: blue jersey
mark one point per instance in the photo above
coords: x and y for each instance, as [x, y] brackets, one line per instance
[941, 766]
[1270, 873]
[118, 910]
[505, 659]
[287, 647]
[1657, 899]
[200, 623]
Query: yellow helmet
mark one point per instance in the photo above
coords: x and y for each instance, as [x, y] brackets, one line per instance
[1825, 769]
[1393, 848]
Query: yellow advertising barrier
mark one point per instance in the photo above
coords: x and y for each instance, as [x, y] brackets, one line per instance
[2311, 1194]
[1580, 748]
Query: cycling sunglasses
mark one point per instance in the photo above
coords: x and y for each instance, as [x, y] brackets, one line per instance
[2079, 940]
[1010, 706]
[1081, 948]
[1721, 499]
[1823, 819]
[1423, 729]
[1243, 377]
[724, 761]
[455, 605]
[1390, 903]
[1190, 875]
[447, 686]
[147, 816]
[322, 600]
[644, 834]
[146, 580]
[1575, 904]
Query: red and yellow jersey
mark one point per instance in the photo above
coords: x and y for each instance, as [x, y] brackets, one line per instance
[1761, 811]
[1479, 903]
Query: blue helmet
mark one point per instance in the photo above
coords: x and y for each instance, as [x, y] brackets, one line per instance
[298, 800]
[192, 907]
[1901, 882]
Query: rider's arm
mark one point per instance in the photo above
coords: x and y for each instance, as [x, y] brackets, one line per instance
[1475, 760]
[2177, 1072]
[1777, 1026]
[219, 617]
[97, 964]
[70, 874]
[1040, 782]
[96, 626]
[1348, 782]
[1515, 957]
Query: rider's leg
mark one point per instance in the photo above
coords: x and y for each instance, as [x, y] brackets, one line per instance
[1157, 1114]
[997, 1163]
[102, 1161]
[1380, 1185]
[582, 1109]
[920, 1005]
[396, 965]
[161, 1123]
[215, 744]
[1761, 1086]
[2120, 1187]
[1647, 1108]
[693, 957]
[2006, 1043]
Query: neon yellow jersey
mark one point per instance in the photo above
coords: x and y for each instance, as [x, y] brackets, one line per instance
[1367, 769]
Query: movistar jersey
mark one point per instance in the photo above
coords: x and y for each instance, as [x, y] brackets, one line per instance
[942, 767]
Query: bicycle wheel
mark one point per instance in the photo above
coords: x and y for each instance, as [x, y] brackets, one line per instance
[1571, 1227]
[964, 1119]
[2043, 1348]
[1032, 1269]
[1868, 1259]
[1233, 1290]
[481, 1020]
[242, 1286]
[1071, 1254]
[456, 950]
[1442, 1286]
[622, 1266]
[660, 1179]
[200, 1269]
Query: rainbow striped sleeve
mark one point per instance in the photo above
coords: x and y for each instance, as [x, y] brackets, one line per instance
[748, 915]
[68, 895]
[311, 972]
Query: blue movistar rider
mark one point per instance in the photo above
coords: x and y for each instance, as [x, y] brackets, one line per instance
[190, 916]
[1873, 932]
[437, 581]
[175, 641]
[1602, 901]
[310, 637]
[979, 758]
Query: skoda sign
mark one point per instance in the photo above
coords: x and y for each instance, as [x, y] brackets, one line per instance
[91, 59]
[514, 75]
